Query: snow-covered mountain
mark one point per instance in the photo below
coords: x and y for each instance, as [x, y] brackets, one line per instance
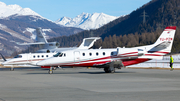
[86, 21]
[8, 10]
[18, 24]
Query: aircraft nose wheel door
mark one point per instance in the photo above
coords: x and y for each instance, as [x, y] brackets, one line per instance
[76, 57]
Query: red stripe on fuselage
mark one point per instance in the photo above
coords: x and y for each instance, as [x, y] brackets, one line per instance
[135, 61]
[128, 53]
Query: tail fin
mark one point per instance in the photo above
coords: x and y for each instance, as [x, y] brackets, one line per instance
[3, 57]
[40, 37]
[41, 40]
[88, 42]
[165, 41]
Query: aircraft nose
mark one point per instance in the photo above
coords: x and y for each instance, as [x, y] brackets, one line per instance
[41, 63]
[4, 63]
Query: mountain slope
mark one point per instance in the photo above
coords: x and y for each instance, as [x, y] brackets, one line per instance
[18, 24]
[86, 20]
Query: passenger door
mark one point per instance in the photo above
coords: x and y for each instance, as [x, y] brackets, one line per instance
[76, 57]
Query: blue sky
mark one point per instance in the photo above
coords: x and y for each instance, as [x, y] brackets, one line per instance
[54, 9]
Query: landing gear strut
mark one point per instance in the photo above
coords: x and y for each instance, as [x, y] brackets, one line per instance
[12, 68]
[50, 70]
[110, 69]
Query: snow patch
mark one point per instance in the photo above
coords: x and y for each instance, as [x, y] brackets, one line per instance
[2, 26]
[3, 38]
[47, 30]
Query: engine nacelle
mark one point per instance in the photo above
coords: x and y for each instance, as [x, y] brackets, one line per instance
[129, 53]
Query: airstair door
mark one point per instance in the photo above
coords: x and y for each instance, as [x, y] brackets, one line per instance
[29, 58]
[76, 57]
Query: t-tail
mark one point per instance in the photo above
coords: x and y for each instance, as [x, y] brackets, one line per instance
[40, 36]
[41, 41]
[163, 45]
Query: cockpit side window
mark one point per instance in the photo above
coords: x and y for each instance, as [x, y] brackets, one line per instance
[18, 56]
[58, 55]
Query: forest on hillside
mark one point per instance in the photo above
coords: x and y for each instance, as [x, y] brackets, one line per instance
[130, 31]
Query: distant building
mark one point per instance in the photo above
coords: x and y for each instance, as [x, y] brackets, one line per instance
[164, 63]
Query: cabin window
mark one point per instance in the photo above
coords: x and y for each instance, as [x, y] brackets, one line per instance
[18, 56]
[104, 53]
[97, 53]
[46, 55]
[140, 50]
[83, 54]
[64, 54]
[34, 56]
[90, 54]
[38, 56]
[42, 56]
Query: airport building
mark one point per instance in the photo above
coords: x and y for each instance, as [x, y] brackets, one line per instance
[164, 63]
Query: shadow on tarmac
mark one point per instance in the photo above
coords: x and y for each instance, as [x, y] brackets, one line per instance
[76, 72]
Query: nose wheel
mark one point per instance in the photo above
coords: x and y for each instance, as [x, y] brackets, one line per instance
[50, 70]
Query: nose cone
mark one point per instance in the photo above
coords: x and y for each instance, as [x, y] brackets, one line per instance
[5, 63]
[42, 63]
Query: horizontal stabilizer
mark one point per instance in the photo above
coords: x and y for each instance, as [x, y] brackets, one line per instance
[37, 43]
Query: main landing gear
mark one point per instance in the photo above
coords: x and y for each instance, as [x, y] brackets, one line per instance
[109, 70]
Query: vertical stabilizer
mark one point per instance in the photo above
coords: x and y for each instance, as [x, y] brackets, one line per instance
[88, 42]
[165, 40]
[40, 37]
[162, 46]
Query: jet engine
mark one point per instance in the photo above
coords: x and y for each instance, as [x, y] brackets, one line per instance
[129, 53]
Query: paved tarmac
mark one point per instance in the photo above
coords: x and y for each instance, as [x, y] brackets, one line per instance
[81, 84]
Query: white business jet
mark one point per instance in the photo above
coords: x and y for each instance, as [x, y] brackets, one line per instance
[109, 59]
[33, 58]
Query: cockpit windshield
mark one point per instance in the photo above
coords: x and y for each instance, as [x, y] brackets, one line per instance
[18, 56]
[58, 55]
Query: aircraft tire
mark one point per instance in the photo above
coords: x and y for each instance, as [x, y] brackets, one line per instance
[109, 70]
[50, 71]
